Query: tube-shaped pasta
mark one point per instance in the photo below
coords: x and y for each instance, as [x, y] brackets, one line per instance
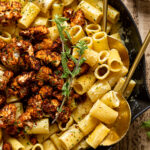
[53, 33]
[88, 124]
[84, 82]
[19, 110]
[5, 36]
[111, 99]
[38, 147]
[71, 137]
[48, 145]
[100, 41]
[29, 13]
[129, 88]
[91, 13]
[40, 21]
[76, 33]
[90, 55]
[114, 76]
[53, 128]
[67, 2]
[102, 71]
[98, 90]
[57, 9]
[104, 113]
[25, 141]
[97, 136]
[114, 61]
[82, 110]
[92, 29]
[57, 142]
[39, 127]
[88, 41]
[81, 146]
[44, 4]
[12, 99]
[16, 145]
[119, 84]
[68, 124]
[103, 56]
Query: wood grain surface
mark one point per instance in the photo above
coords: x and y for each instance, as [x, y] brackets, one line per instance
[136, 138]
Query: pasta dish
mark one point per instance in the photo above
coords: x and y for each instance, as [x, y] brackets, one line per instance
[60, 75]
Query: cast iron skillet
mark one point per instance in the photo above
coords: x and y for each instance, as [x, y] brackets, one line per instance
[140, 99]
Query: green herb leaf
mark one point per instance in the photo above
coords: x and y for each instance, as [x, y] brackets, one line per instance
[148, 134]
[146, 124]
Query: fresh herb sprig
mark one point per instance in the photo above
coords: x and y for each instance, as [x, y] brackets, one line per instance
[65, 56]
[146, 125]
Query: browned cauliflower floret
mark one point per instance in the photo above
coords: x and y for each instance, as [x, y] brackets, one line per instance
[35, 33]
[10, 56]
[7, 115]
[2, 44]
[5, 78]
[84, 68]
[45, 91]
[64, 115]
[78, 19]
[56, 81]
[68, 13]
[49, 57]
[19, 85]
[45, 44]
[44, 74]
[2, 99]
[32, 62]
[7, 146]
[58, 95]
[9, 12]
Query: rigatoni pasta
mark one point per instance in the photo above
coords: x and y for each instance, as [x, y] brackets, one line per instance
[103, 56]
[92, 29]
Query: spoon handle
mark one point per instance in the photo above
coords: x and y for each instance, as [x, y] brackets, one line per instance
[136, 62]
[105, 8]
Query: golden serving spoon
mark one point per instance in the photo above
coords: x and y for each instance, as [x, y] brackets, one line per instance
[122, 124]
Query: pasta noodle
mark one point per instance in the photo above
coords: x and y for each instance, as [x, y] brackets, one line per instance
[119, 84]
[100, 41]
[12, 99]
[88, 40]
[19, 110]
[53, 33]
[40, 127]
[82, 145]
[44, 4]
[40, 21]
[91, 13]
[67, 2]
[82, 110]
[16, 145]
[111, 99]
[76, 33]
[84, 82]
[104, 113]
[29, 13]
[57, 142]
[97, 136]
[57, 9]
[48, 145]
[88, 124]
[38, 147]
[114, 61]
[68, 124]
[98, 90]
[92, 29]
[103, 56]
[52, 129]
[102, 71]
[5, 36]
[71, 137]
[90, 55]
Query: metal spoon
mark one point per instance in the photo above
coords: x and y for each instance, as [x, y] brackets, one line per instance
[122, 124]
